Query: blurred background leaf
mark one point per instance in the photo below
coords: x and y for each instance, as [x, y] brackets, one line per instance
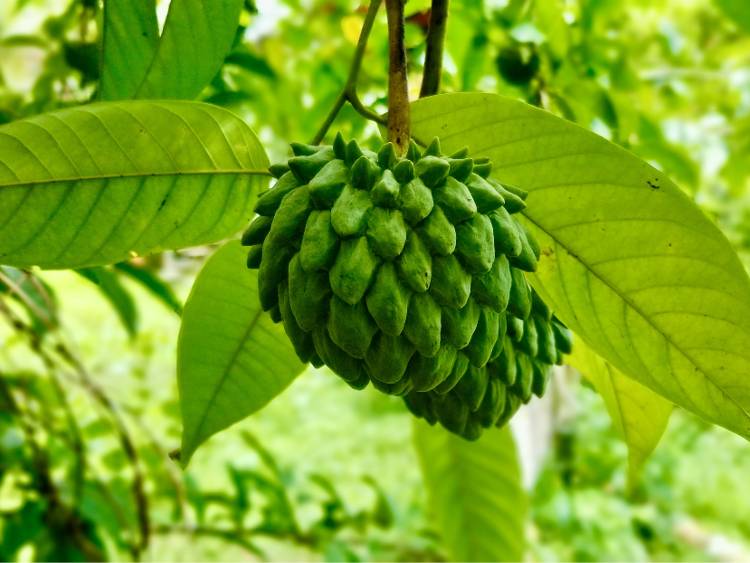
[638, 414]
[113, 291]
[477, 503]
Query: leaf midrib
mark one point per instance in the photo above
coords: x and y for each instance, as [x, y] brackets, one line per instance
[645, 317]
[209, 404]
[128, 175]
[464, 492]
[618, 404]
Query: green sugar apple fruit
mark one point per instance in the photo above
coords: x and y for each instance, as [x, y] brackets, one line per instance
[407, 273]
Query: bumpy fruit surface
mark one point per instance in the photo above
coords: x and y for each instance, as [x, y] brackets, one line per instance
[407, 273]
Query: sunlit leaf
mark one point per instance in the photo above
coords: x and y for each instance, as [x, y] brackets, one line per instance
[477, 503]
[629, 262]
[94, 184]
[197, 36]
[548, 15]
[738, 11]
[231, 358]
[638, 414]
[130, 37]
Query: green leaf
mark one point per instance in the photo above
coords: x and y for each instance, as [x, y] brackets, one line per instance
[629, 262]
[737, 167]
[95, 184]
[738, 11]
[197, 36]
[150, 281]
[477, 503]
[130, 37]
[638, 414]
[114, 292]
[231, 358]
[244, 58]
[548, 15]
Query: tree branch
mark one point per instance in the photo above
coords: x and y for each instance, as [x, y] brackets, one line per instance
[126, 441]
[58, 515]
[433, 63]
[398, 87]
[349, 93]
[359, 52]
[88, 384]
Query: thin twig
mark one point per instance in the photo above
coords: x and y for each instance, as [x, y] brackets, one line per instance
[18, 291]
[89, 385]
[56, 510]
[170, 469]
[126, 441]
[433, 62]
[398, 87]
[330, 118]
[349, 92]
[79, 448]
[364, 111]
[85, 380]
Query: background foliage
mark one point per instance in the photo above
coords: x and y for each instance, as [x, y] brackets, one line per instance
[88, 399]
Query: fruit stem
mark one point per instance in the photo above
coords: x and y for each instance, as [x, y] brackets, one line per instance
[433, 63]
[398, 87]
[349, 93]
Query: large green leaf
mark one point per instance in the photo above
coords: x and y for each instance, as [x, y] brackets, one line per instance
[129, 39]
[630, 263]
[231, 358]
[477, 503]
[197, 36]
[638, 414]
[94, 184]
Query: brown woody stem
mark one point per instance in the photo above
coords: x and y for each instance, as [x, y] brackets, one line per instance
[398, 87]
[433, 63]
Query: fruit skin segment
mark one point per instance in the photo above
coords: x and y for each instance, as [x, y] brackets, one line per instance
[407, 274]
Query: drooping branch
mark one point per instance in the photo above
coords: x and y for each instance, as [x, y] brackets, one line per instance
[398, 87]
[433, 63]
